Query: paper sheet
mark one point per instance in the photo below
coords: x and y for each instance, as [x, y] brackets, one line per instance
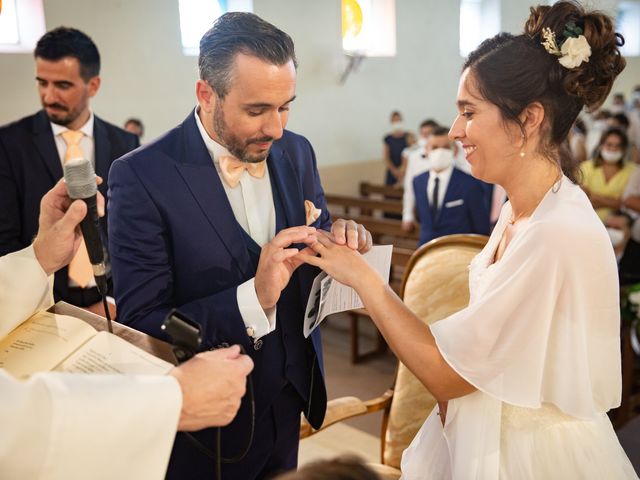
[108, 353]
[40, 343]
[328, 296]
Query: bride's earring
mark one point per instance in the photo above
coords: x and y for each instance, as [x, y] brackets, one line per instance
[522, 152]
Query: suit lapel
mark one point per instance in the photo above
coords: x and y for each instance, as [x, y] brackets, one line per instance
[202, 180]
[46, 145]
[284, 176]
[102, 149]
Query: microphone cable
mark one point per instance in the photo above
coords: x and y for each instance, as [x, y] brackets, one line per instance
[217, 456]
[186, 338]
[107, 314]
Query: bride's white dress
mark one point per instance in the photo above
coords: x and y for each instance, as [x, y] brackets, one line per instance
[540, 340]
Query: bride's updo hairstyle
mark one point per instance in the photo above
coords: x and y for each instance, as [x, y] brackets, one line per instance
[514, 71]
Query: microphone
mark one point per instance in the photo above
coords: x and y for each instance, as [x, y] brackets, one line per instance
[81, 184]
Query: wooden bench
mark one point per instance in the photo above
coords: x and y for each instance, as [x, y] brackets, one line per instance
[368, 212]
[364, 205]
[399, 260]
[367, 189]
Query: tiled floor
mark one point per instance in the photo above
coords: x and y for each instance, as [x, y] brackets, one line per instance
[366, 380]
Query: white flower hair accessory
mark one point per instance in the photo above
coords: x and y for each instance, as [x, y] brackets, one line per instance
[573, 50]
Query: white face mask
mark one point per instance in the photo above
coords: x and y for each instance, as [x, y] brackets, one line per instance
[440, 158]
[422, 142]
[611, 157]
[397, 126]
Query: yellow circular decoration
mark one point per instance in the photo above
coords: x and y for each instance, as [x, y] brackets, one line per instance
[351, 18]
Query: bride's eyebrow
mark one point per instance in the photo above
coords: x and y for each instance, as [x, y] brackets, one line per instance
[464, 103]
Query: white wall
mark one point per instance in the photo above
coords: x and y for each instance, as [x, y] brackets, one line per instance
[145, 74]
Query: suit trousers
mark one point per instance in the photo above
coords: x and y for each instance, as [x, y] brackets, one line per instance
[274, 449]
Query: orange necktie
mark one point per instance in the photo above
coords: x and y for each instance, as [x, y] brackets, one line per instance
[231, 169]
[80, 270]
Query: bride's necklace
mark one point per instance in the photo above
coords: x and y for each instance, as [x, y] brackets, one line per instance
[515, 218]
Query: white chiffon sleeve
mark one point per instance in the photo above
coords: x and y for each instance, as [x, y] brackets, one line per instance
[544, 327]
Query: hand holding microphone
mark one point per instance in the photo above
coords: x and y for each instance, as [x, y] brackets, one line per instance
[81, 184]
[58, 237]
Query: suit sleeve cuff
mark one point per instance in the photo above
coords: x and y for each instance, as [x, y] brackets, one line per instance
[258, 322]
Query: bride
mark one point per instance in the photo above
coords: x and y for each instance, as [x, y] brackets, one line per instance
[525, 374]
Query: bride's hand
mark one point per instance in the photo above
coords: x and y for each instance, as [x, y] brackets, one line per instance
[341, 262]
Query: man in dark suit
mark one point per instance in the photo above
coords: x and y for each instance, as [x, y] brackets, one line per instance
[33, 149]
[448, 200]
[210, 219]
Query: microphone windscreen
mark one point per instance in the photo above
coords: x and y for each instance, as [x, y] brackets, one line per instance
[80, 178]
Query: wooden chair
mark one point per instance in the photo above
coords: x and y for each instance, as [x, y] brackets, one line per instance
[435, 286]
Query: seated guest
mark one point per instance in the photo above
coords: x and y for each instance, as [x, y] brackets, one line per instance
[606, 175]
[135, 126]
[448, 200]
[577, 141]
[626, 222]
[394, 143]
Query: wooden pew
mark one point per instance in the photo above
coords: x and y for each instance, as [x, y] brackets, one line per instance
[368, 212]
[364, 205]
[367, 189]
[399, 260]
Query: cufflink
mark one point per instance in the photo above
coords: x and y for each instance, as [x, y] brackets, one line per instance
[251, 331]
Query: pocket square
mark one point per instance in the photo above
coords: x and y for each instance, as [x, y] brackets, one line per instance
[312, 213]
[454, 203]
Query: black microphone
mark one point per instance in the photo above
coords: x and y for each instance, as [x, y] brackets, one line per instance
[81, 184]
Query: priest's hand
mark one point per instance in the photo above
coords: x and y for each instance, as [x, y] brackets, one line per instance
[59, 235]
[212, 384]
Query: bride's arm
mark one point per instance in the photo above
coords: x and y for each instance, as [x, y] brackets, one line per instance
[409, 338]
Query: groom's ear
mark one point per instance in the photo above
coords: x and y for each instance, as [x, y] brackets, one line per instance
[206, 96]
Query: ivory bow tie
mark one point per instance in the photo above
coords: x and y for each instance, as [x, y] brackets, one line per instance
[231, 169]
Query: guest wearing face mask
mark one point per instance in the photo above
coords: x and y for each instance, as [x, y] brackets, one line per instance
[448, 200]
[394, 143]
[417, 163]
[597, 124]
[618, 104]
[623, 122]
[605, 177]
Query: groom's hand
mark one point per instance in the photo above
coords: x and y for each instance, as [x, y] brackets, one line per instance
[277, 263]
[352, 234]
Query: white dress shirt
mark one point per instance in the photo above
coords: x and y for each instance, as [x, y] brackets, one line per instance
[444, 176]
[417, 163]
[257, 217]
[86, 142]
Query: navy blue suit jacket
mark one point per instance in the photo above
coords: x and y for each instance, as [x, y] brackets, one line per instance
[465, 208]
[175, 242]
[30, 166]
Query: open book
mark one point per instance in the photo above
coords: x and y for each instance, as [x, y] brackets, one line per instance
[53, 342]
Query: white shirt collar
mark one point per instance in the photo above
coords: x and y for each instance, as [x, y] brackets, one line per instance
[87, 128]
[444, 175]
[213, 147]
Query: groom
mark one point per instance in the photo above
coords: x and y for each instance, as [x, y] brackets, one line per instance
[205, 220]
